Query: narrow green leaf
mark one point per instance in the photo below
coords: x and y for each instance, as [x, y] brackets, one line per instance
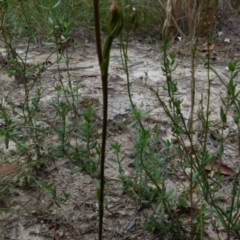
[6, 141]
[50, 20]
[57, 4]
[232, 66]
[221, 149]
[235, 228]
[158, 208]
[223, 115]
[92, 145]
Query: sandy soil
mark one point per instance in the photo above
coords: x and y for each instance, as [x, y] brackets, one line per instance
[34, 214]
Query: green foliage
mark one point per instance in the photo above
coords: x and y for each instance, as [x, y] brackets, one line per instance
[73, 131]
[79, 156]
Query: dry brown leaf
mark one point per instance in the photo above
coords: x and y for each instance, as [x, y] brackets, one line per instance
[8, 168]
[210, 47]
[186, 221]
[216, 166]
[56, 236]
[212, 173]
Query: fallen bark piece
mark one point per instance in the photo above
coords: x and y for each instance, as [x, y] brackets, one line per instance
[222, 168]
[8, 168]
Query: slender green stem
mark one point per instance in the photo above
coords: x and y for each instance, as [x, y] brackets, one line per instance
[114, 28]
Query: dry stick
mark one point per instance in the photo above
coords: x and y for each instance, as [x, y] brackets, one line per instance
[180, 32]
[68, 69]
[97, 31]
[193, 86]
